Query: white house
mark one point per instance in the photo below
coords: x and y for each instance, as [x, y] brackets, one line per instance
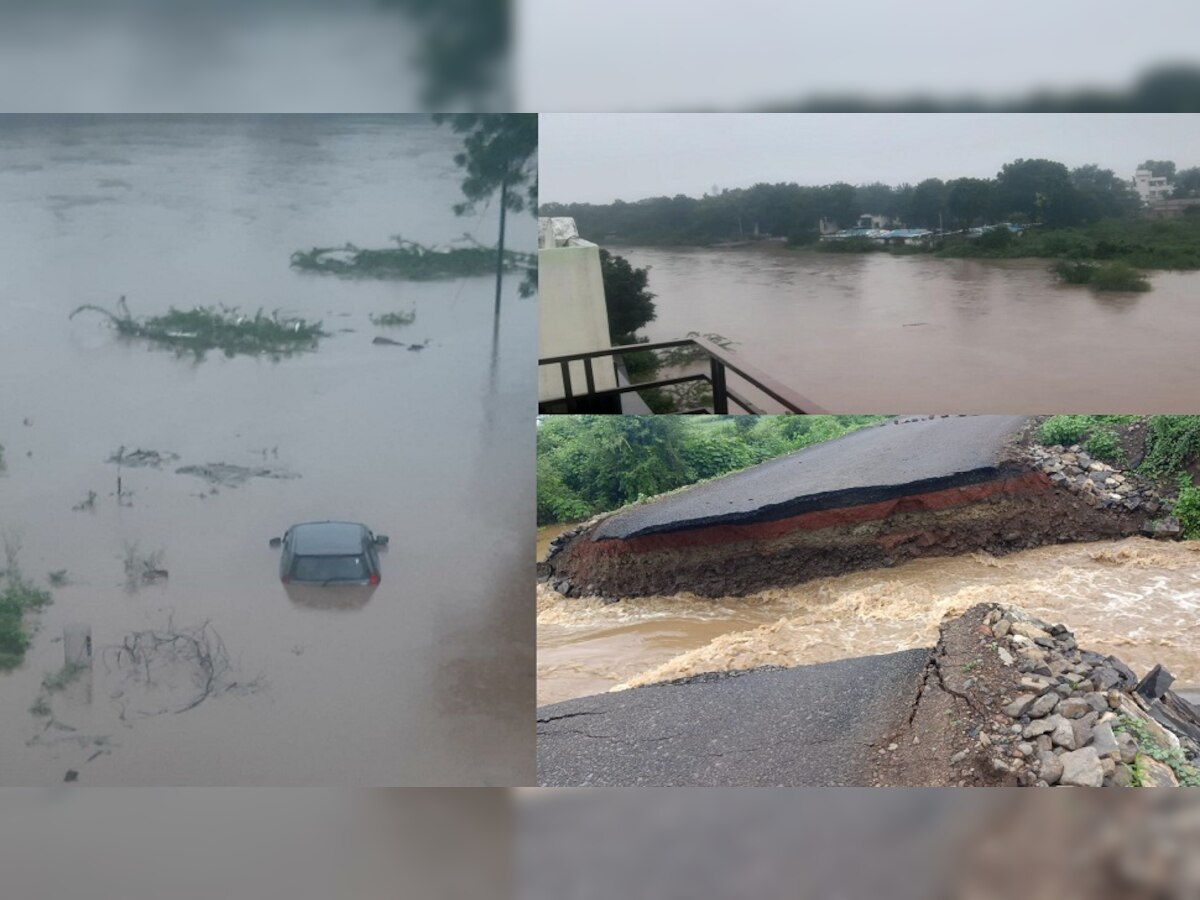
[1149, 187]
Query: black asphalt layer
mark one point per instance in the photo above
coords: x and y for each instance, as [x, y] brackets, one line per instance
[865, 466]
[808, 725]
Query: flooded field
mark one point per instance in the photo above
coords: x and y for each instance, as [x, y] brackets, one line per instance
[420, 681]
[860, 333]
[1136, 598]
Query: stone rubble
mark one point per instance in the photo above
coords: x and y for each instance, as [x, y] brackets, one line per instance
[1079, 718]
[1103, 486]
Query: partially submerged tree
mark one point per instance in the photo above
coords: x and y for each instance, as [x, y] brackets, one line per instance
[499, 155]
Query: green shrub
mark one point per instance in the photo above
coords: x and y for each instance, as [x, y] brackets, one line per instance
[1187, 507]
[1171, 443]
[1119, 276]
[1103, 445]
[996, 239]
[1065, 430]
[1068, 430]
[1074, 272]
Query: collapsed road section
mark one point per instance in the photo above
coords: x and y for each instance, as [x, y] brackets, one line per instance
[931, 486]
[1003, 699]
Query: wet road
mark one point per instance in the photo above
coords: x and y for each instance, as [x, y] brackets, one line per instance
[865, 466]
[809, 725]
[424, 682]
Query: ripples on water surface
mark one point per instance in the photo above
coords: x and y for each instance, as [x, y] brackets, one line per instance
[1136, 598]
[422, 683]
[861, 333]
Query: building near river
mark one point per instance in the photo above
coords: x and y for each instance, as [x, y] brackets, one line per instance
[1150, 187]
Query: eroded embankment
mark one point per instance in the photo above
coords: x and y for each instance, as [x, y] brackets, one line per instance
[1017, 506]
[1009, 699]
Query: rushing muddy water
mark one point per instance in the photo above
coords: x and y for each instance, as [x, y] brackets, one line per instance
[861, 333]
[1136, 598]
[424, 681]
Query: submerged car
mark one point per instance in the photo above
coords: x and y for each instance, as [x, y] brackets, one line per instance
[329, 553]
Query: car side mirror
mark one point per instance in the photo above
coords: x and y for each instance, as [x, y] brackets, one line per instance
[275, 542]
[381, 540]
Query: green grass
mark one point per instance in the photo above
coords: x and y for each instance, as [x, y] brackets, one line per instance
[408, 260]
[17, 598]
[1102, 444]
[1186, 774]
[202, 328]
[1139, 243]
[1068, 430]
[1171, 443]
[1187, 507]
[393, 319]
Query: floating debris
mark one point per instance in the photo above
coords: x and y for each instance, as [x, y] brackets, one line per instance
[409, 260]
[229, 475]
[393, 319]
[142, 458]
[205, 328]
[172, 670]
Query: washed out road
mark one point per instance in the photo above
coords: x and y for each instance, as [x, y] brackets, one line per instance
[809, 725]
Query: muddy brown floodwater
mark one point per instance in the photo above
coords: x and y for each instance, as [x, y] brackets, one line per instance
[1136, 598]
[424, 681]
[861, 333]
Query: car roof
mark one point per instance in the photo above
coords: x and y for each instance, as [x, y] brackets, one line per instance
[327, 538]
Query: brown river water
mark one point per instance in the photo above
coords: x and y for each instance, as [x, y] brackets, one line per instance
[1136, 598]
[422, 681]
[861, 333]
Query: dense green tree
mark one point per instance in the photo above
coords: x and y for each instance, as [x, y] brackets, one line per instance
[1039, 189]
[1159, 168]
[968, 200]
[1103, 193]
[630, 304]
[927, 205]
[590, 464]
[1187, 183]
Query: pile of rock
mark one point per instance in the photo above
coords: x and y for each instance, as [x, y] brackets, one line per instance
[1099, 484]
[1082, 718]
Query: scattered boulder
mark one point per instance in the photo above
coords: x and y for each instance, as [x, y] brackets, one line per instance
[1082, 768]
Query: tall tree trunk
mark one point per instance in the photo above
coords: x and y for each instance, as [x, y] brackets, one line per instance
[500, 247]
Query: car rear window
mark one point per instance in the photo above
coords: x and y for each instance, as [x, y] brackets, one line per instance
[330, 568]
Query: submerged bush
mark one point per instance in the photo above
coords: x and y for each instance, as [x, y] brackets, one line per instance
[1074, 272]
[17, 598]
[408, 260]
[1119, 276]
[206, 328]
[1109, 276]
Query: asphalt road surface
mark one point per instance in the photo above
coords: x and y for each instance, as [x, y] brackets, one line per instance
[866, 466]
[808, 725]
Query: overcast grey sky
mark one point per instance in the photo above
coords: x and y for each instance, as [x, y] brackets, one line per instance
[689, 54]
[597, 158]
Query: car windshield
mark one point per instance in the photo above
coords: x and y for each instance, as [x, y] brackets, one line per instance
[329, 568]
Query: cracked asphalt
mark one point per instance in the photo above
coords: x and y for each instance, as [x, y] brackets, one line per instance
[808, 725]
[865, 466]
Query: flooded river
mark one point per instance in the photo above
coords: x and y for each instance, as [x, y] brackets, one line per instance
[1136, 598]
[423, 681]
[861, 333]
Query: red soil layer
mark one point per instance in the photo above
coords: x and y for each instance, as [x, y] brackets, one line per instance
[950, 498]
